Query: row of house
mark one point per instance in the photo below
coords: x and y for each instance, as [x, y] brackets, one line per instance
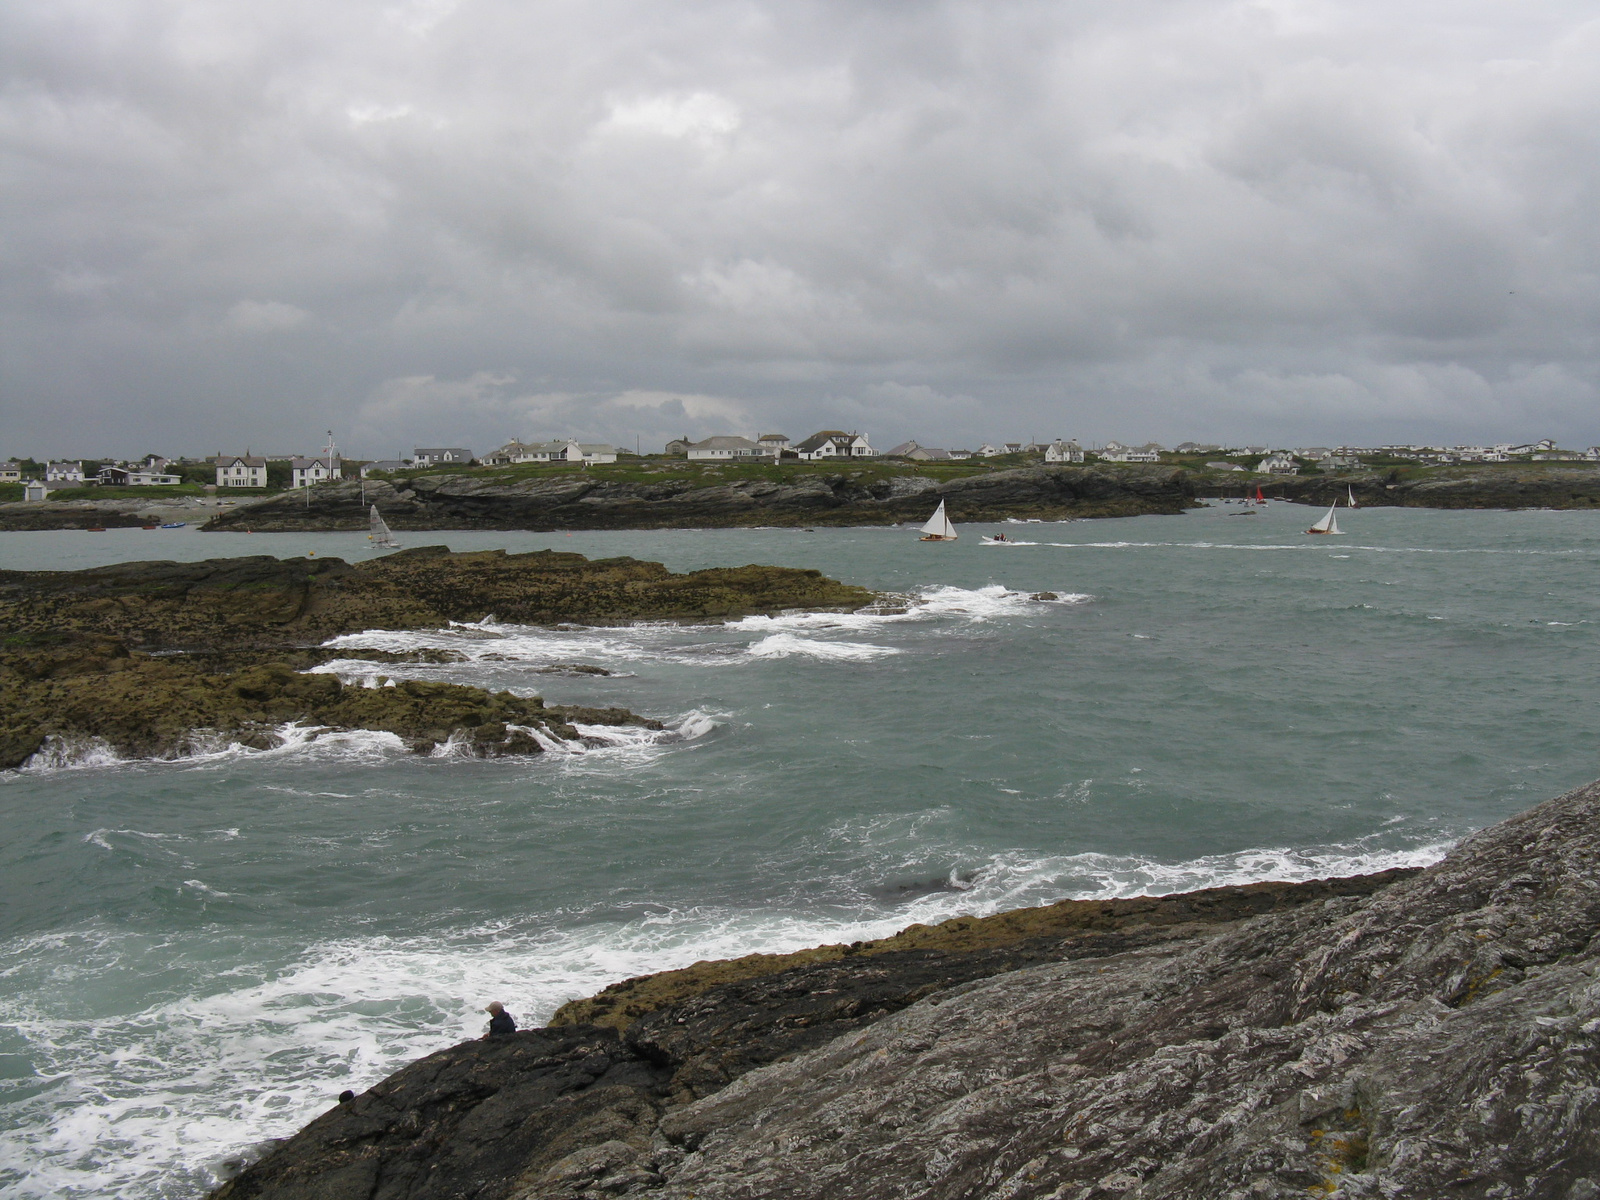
[824, 444]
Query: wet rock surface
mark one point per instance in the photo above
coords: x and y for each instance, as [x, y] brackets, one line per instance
[570, 500]
[1431, 1035]
[161, 658]
[672, 1039]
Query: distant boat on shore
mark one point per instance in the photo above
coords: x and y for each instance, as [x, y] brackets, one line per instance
[1329, 522]
[379, 534]
[938, 528]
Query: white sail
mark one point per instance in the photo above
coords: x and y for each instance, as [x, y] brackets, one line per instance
[1328, 524]
[1352, 493]
[379, 534]
[939, 525]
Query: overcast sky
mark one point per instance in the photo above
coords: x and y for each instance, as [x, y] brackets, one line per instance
[452, 222]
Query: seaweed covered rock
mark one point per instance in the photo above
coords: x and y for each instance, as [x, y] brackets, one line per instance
[262, 601]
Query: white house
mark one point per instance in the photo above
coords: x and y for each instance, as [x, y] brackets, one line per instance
[960, 455]
[988, 451]
[241, 470]
[1223, 466]
[1592, 454]
[917, 452]
[724, 448]
[35, 490]
[1196, 448]
[1333, 460]
[833, 443]
[11, 472]
[1059, 451]
[1281, 463]
[1117, 452]
[63, 472]
[112, 476]
[773, 443]
[590, 452]
[441, 454]
[307, 472]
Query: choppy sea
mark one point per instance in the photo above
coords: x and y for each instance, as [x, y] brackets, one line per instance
[199, 955]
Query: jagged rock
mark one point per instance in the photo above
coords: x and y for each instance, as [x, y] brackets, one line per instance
[1438, 1036]
[702, 1027]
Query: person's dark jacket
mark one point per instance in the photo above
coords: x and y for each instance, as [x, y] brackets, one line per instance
[501, 1023]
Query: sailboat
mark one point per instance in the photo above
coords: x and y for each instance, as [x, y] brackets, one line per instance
[1329, 522]
[380, 535]
[1352, 494]
[938, 528]
[1260, 499]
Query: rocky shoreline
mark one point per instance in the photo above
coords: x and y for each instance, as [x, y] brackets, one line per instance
[161, 659]
[580, 500]
[1419, 1033]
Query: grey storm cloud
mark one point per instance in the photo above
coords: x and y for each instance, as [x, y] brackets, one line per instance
[457, 221]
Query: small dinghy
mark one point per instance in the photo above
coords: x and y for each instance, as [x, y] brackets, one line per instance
[938, 528]
[1329, 522]
[175, 525]
[379, 534]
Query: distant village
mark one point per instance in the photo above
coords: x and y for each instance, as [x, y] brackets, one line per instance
[38, 480]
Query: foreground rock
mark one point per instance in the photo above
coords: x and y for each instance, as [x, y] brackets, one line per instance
[163, 659]
[1437, 1036]
[589, 500]
[561, 1111]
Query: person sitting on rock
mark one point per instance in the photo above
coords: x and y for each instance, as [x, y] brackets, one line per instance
[500, 1021]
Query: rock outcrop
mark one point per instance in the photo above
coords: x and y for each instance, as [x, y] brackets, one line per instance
[1428, 1036]
[1510, 485]
[157, 659]
[582, 500]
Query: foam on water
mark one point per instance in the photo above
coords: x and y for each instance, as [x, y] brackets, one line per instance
[150, 1103]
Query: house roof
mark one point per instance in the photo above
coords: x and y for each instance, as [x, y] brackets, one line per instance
[305, 464]
[838, 436]
[724, 442]
[248, 460]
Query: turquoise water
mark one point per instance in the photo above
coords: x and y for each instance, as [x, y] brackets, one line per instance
[198, 955]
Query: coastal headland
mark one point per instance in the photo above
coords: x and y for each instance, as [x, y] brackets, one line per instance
[1416, 1033]
[718, 496]
[159, 658]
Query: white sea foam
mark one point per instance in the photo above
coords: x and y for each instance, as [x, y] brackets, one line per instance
[145, 1104]
[788, 645]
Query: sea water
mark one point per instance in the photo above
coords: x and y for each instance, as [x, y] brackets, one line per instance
[199, 955]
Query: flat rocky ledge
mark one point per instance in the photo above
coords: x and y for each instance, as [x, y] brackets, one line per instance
[1418, 1034]
[154, 659]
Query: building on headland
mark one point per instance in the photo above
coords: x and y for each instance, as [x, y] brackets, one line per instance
[240, 470]
[1150, 452]
[834, 443]
[437, 455]
[988, 451]
[1338, 460]
[1196, 448]
[1280, 463]
[1223, 466]
[63, 472]
[773, 443]
[115, 476]
[10, 472]
[1060, 451]
[385, 465]
[35, 490]
[725, 448]
[917, 452]
[960, 455]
